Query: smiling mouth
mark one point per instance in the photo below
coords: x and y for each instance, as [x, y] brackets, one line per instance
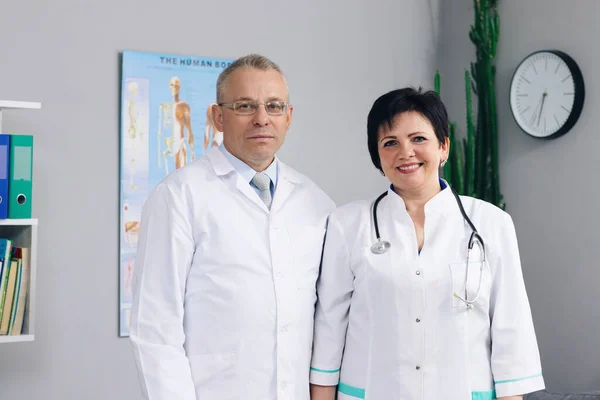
[409, 168]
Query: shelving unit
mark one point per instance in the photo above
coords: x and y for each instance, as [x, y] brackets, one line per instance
[23, 233]
[17, 105]
[32, 105]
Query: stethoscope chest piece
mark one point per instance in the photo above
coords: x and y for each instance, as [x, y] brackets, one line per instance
[380, 247]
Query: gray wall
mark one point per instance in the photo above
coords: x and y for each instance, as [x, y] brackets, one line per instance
[65, 55]
[550, 187]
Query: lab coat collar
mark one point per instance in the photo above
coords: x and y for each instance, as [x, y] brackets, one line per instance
[288, 178]
[441, 201]
[223, 167]
[219, 162]
[436, 205]
[246, 171]
[290, 174]
[288, 181]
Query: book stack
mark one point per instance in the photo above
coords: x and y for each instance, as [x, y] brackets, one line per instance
[15, 265]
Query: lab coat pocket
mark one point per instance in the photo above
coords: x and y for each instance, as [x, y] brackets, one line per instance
[307, 248]
[472, 284]
[215, 375]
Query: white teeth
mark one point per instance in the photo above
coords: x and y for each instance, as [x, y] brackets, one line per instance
[414, 166]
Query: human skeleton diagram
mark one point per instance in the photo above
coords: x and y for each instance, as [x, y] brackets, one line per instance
[134, 133]
[132, 225]
[210, 131]
[177, 116]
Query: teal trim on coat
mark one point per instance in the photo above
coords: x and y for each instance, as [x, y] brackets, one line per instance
[351, 390]
[327, 371]
[490, 395]
[518, 379]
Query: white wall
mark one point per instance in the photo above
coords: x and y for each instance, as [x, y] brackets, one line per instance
[342, 54]
[550, 187]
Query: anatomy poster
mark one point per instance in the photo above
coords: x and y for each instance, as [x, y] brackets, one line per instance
[165, 123]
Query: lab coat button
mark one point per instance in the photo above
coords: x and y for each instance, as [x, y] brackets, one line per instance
[418, 320]
[418, 272]
[418, 368]
[283, 385]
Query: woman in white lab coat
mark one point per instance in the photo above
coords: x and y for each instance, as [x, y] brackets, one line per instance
[408, 316]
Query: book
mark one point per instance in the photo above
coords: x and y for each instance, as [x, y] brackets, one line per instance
[10, 293]
[5, 256]
[21, 292]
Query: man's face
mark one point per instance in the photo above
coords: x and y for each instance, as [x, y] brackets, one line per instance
[254, 138]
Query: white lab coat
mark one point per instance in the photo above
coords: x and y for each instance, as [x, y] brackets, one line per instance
[388, 327]
[224, 289]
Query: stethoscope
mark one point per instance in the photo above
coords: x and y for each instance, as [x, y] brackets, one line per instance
[382, 246]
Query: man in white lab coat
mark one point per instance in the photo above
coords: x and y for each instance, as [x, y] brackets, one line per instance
[228, 258]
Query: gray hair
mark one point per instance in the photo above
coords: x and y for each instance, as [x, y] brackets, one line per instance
[255, 61]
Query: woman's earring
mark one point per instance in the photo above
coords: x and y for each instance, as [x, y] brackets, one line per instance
[443, 163]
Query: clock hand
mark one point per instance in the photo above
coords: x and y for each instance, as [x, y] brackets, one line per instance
[534, 112]
[542, 107]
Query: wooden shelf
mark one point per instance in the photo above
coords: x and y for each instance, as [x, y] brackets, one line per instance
[20, 105]
[16, 339]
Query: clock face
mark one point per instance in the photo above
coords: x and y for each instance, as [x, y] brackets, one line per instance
[546, 94]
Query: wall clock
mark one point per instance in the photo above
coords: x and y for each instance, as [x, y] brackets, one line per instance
[547, 93]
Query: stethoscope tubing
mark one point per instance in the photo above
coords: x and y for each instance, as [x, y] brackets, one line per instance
[381, 246]
[460, 206]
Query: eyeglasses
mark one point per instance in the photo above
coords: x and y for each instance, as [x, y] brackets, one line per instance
[246, 107]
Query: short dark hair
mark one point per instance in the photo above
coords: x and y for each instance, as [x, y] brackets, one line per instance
[390, 105]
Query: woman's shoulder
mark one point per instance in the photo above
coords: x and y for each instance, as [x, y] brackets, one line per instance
[353, 212]
[488, 217]
[482, 207]
[353, 208]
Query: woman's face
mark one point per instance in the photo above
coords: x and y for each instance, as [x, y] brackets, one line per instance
[410, 153]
